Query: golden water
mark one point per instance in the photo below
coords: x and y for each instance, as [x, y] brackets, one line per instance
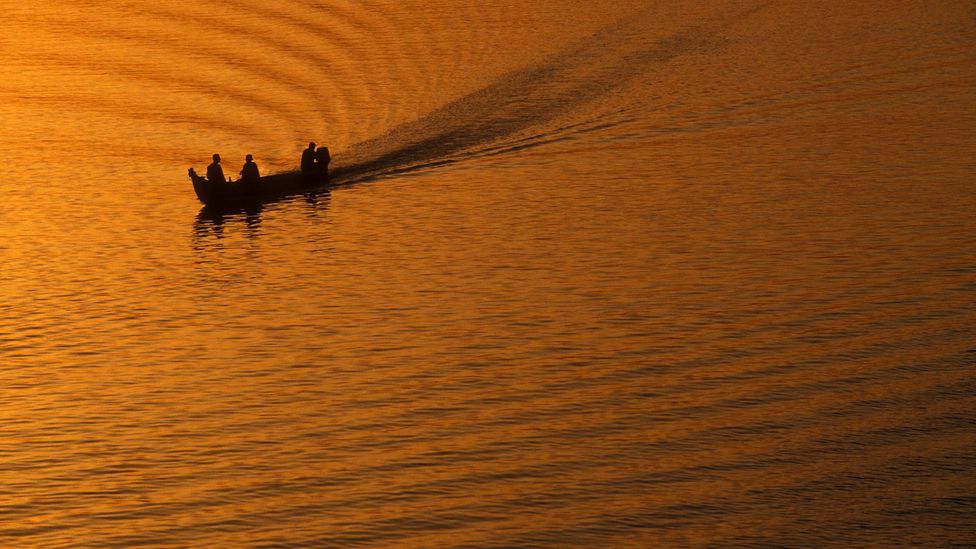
[654, 273]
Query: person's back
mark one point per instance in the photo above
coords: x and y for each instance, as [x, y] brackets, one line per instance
[250, 172]
[214, 171]
[322, 159]
[308, 159]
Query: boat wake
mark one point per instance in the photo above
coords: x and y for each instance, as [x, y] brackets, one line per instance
[569, 93]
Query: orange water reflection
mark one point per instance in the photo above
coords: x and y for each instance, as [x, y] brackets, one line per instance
[656, 275]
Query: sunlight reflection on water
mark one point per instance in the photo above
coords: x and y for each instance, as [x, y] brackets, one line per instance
[598, 280]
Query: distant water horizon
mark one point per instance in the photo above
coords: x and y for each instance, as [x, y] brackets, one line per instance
[655, 274]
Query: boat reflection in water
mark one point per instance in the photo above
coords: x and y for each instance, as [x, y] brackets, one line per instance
[212, 219]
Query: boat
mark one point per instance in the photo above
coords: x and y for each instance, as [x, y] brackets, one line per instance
[266, 188]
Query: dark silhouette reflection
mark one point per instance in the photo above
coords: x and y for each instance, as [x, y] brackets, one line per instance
[318, 201]
[213, 221]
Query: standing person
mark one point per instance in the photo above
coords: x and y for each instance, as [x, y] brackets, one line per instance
[214, 172]
[322, 159]
[308, 159]
[250, 173]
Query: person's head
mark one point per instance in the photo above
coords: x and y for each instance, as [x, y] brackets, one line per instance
[311, 145]
[248, 158]
[216, 157]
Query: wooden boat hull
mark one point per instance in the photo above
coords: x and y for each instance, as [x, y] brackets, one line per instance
[267, 188]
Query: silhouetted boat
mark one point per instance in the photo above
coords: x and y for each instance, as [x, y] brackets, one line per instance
[266, 188]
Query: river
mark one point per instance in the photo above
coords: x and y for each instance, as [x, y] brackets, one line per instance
[649, 273]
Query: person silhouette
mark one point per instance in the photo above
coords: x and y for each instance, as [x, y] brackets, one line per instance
[322, 159]
[214, 172]
[308, 159]
[250, 173]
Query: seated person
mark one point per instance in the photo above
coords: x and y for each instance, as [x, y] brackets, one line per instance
[250, 173]
[214, 172]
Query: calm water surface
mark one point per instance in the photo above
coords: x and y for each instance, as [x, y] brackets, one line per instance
[657, 274]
